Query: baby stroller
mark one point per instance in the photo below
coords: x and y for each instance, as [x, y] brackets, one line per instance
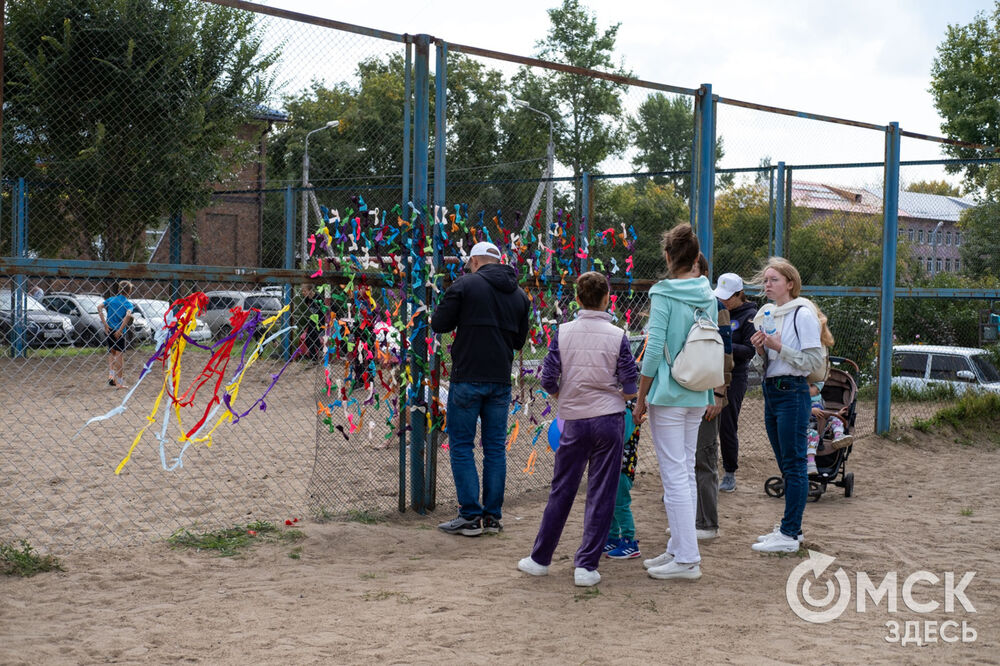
[840, 394]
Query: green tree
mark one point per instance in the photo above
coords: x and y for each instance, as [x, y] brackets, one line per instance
[649, 209]
[942, 187]
[965, 84]
[586, 112]
[364, 154]
[980, 239]
[741, 231]
[130, 110]
[663, 132]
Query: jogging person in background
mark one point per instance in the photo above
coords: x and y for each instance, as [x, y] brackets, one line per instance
[491, 314]
[116, 314]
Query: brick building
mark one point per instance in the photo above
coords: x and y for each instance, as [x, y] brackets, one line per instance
[927, 222]
[228, 231]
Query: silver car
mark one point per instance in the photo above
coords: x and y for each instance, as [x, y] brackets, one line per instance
[221, 302]
[155, 313]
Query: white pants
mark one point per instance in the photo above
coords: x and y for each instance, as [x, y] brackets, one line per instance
[675, 438]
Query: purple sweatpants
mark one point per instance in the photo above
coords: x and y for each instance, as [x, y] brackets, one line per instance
[598, 442]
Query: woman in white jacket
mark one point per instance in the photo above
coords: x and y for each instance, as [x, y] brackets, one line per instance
[790, 354]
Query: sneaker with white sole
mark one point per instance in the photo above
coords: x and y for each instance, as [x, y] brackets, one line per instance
[777, 529]
[702, 535]
[658, 561]
[627, 549]
[811, 467]
[531, 567]
[585, 578]
[777, 543]
[843, 442]
[611, 544]
[728, 483]
[465, 526]
[675, 569]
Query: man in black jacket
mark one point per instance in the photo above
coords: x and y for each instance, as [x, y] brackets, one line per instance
[491, 314]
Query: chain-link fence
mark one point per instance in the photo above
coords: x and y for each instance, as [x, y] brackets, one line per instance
[218, 148]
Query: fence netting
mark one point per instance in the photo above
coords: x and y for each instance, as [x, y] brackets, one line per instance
[271, 165]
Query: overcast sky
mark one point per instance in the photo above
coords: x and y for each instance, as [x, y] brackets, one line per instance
[858, 59]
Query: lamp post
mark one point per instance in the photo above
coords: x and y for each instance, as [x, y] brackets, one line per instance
[550, 158]
[934, 244]
[305, 195]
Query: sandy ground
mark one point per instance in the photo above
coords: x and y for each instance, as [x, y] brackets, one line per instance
[403, 592]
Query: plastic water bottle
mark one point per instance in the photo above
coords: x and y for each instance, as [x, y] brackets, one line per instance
[770, 327]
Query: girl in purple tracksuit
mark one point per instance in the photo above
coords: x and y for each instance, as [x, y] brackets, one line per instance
[591, 370]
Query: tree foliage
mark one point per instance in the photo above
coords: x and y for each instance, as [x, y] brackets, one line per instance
[649, 209]
[587, 111]
[941, 187]
[663, 133]
[980, 227]
[129, 109]
[965, 84]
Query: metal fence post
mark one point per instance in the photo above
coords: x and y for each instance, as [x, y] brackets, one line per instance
[779, 212]
[440, 181]
[403, 342]
[585, 220]
[418, 346]
[706, 171]
[286, 339]
[890, 225]
[770, 212]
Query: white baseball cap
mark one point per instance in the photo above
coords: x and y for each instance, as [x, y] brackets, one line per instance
[728, 284]
[485, 249]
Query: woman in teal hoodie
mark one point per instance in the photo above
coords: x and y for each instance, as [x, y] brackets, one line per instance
[675, 412]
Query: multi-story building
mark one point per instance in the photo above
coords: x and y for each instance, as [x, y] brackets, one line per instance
[927, 222]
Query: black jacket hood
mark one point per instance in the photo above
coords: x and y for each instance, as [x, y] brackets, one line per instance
[501, 277]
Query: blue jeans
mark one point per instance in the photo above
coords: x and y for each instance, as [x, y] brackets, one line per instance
[786, 417]
[467, 403]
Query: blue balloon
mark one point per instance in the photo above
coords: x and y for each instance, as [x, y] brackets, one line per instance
[554, 432]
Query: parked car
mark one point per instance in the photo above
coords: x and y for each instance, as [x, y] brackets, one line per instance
[42, 327]
[154, 311]
[221, 302]
[82, 312]
[920, 367]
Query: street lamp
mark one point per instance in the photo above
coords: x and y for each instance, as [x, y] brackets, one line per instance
[550, 157]
[305, 194]
[934, 244]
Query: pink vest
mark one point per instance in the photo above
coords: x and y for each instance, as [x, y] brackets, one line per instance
[588, 353]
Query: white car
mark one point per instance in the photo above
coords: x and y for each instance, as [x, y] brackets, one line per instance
[920, 367]
[154, 311]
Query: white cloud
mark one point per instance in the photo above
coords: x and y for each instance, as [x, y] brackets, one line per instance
[855, 59]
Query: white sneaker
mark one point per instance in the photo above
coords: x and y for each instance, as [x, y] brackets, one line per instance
[777, 543]
[843, 442]
[531, 567]
[811, 467]
[777, 528]
[585, 578]
[706, 534]
[675, 569]
[658, 561]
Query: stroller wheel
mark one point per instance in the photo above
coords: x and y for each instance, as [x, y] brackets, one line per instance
[849, 484]
[815, 491]
[775, 487]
